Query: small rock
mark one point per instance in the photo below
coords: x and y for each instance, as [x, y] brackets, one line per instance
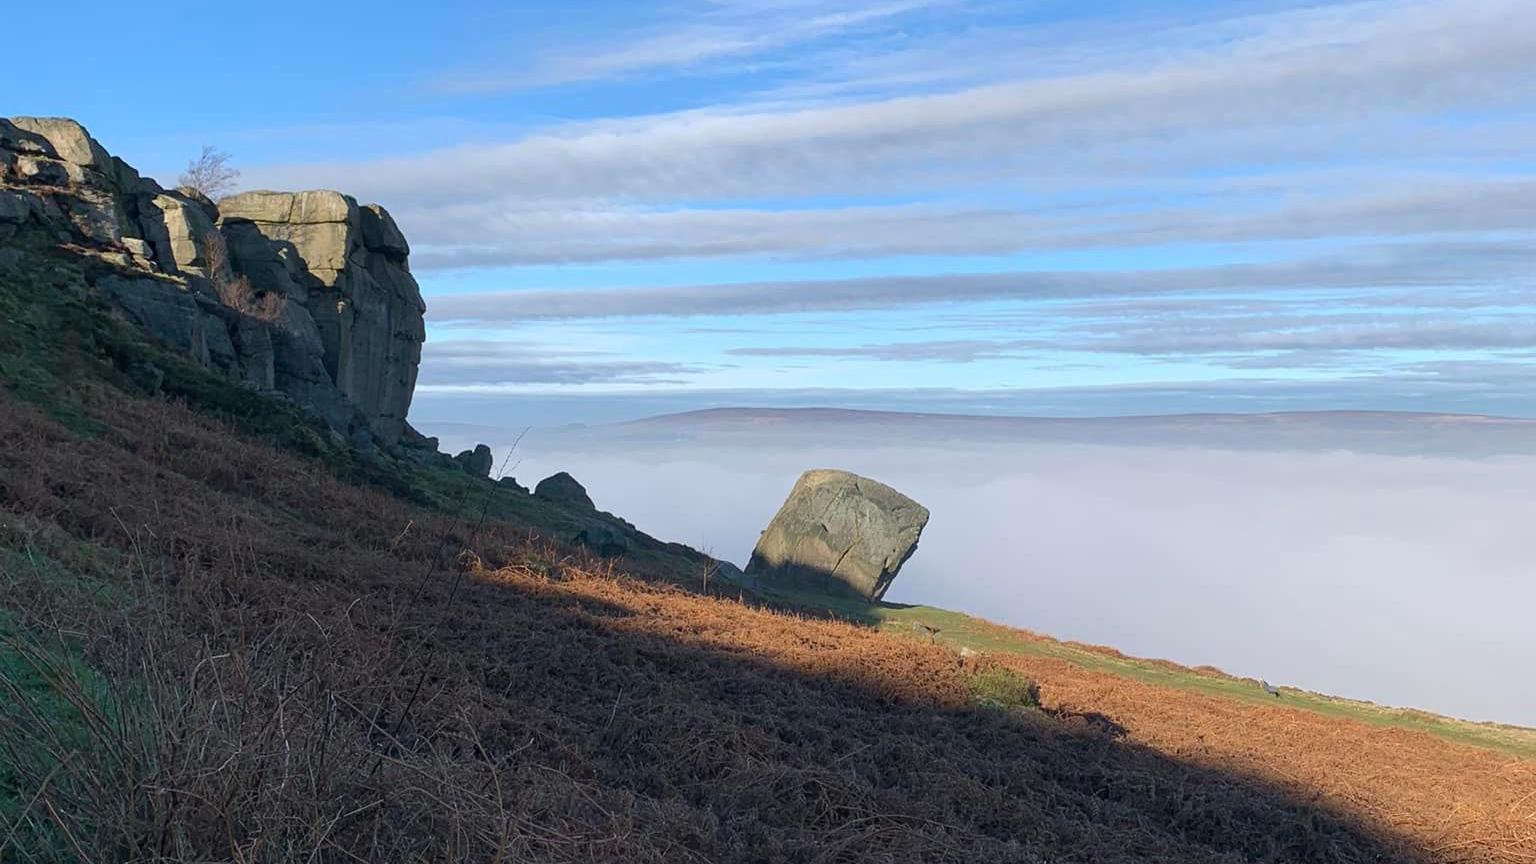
[562, 488]
[147, 376]
[476, 462]
[602, 539]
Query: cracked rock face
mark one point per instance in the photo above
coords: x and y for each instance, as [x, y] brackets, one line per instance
[347, 265]
[346, 341]
[839, 532]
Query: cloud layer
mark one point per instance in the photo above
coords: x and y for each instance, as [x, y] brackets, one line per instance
[791, 196]
[1397, 579]
[1376, 85]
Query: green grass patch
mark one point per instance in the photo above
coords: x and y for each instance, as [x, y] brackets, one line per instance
[1003, 689]
[43, 345]
[57, 338]
[961, 630]
[45, 678]
[32, 674]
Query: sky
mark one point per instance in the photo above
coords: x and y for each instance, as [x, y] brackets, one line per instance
[1022, 207]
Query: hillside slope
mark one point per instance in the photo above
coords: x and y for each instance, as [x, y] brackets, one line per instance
[219, 649]
[962, 631]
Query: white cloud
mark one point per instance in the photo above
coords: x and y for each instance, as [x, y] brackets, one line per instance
[468, 363]
[1426, 265]
[1413, 58]
[474, 235]
[713, 32]
[1417, 90]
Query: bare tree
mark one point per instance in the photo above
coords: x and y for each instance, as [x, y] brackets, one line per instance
[210, 173]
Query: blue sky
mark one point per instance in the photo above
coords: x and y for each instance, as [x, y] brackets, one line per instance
[969, 205]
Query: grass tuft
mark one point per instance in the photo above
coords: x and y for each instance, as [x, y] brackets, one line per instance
[1003, 689]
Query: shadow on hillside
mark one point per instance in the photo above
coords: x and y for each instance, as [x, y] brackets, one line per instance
[813, 597]
[686, 730]
[845, 758]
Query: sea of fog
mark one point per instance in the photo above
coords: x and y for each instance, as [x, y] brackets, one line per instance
[1408, 580]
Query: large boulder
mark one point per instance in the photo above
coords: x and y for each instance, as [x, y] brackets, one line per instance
[179, 232]
[838, 532]
[348, 266]
[173, 315]
[81, 193]
[65, 140]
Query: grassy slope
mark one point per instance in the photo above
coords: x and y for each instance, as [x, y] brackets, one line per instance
[668, 712]
[31, 663]
[569, 713]
[56, 342]
[55, 335]
[961, 630]
[453, 491]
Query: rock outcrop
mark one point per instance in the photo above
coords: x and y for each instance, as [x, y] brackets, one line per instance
[838, 532]
[304, 297]
[346, 265]
[339, 323]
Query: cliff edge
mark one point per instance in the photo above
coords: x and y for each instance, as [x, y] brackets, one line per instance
[308, 295]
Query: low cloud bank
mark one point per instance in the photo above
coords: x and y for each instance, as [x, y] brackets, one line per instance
[1401, 579]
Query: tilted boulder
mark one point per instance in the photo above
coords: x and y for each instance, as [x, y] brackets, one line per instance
[838, 532]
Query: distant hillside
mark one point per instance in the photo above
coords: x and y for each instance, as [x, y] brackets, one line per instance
[1390, 432]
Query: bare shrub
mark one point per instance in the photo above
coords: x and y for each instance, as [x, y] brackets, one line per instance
[235, 290]
[210, 173]
[237, 293]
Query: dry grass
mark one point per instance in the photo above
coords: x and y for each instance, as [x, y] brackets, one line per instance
[275, 688]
